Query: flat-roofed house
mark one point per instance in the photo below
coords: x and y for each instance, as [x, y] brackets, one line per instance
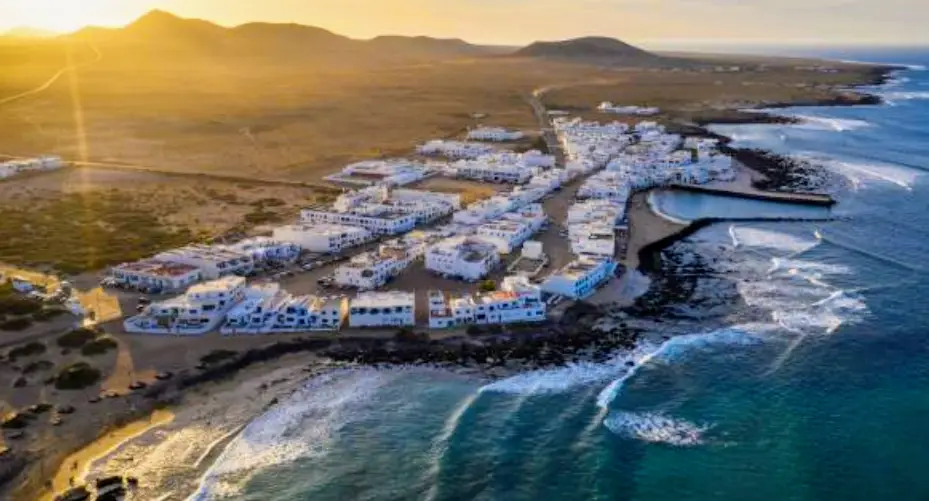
[372, 270]
[214, 261]
[159, 275]
[580, 278]
[323, 237]
[201, 309]
[383, 309]
[468, 258]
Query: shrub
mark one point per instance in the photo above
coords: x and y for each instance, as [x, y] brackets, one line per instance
[99, 346]
[27, 350]
[77, 376]
[488, 286]
[495, 329]
[16, 421]
[18, 305]
[37, 366]
[47, 314]
[77, 338]
[16, 324]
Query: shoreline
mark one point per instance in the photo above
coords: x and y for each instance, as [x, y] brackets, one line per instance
[484, 355]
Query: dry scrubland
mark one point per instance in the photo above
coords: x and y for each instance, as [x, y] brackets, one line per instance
[83, 219]
[272, 120]
[269, 120]
[702, 96]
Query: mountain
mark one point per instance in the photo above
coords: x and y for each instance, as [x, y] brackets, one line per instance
[165, 34]
[592, 49]
[28, 32]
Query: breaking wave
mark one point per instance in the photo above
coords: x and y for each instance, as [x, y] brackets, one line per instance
[562, 379]
[858, 173]
[675, 347]
[655, 427]
[305, 425]
[828, 123]
[768, 239]
[905, 95]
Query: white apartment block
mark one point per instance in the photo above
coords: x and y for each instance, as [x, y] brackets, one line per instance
[608, 107]
[267, 309]
[454, 149]
[383, 309]
[394, 172]
[467, 258]
[596, 239]
[486, 169]
[608, 184]
[507, 235]
[497, 134]
[214, 261]
[158, 275]
[517, 301]
[596, 210]
[372, 270]
[201, 309]
[264, 249]
[327, 238]
[532, 215]
[549, 180]
[379, 222]
[484, 210]
[580, 278]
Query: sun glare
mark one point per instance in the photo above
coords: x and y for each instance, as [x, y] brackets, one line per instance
[70, 15]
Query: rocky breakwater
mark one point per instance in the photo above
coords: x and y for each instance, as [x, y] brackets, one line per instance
[497, 351]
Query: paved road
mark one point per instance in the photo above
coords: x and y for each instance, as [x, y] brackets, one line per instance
[545, 123]
[51, 81]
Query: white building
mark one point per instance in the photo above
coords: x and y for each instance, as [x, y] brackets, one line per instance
[580, 278]
[484, 210]
[532, 215]
[158, 275]
[454, 149]
[608, 107]
[517, 301]
[596, 239]
[549, 181]
[596, 210]
[264, 249]
[267, 309]
[507, 235]
[497, 134]
[329, 238]
[393, 172]
[201, 309]
[486, 169]
[214, 261]
[468, 258]
[372, 270]
[383, 309]
[608, 184]
[378, 222]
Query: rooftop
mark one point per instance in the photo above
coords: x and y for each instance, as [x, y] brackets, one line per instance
[158, 268]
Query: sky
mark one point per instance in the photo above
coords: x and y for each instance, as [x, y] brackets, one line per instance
[512, 22]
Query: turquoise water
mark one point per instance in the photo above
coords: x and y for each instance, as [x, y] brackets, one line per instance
[683, 205]
[799, 369]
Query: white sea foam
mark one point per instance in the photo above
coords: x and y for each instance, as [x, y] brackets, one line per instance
[830, 123]
[654, 427]
[905, 95]
[303, 426]
[769, 239]
[562, 379]
[861, 172]
[748, 334]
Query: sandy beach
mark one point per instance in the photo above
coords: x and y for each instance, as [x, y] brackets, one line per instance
[169, 450]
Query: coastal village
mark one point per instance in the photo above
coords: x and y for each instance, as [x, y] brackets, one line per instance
[374, 234]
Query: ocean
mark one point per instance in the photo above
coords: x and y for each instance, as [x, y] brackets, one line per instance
[798, 367]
